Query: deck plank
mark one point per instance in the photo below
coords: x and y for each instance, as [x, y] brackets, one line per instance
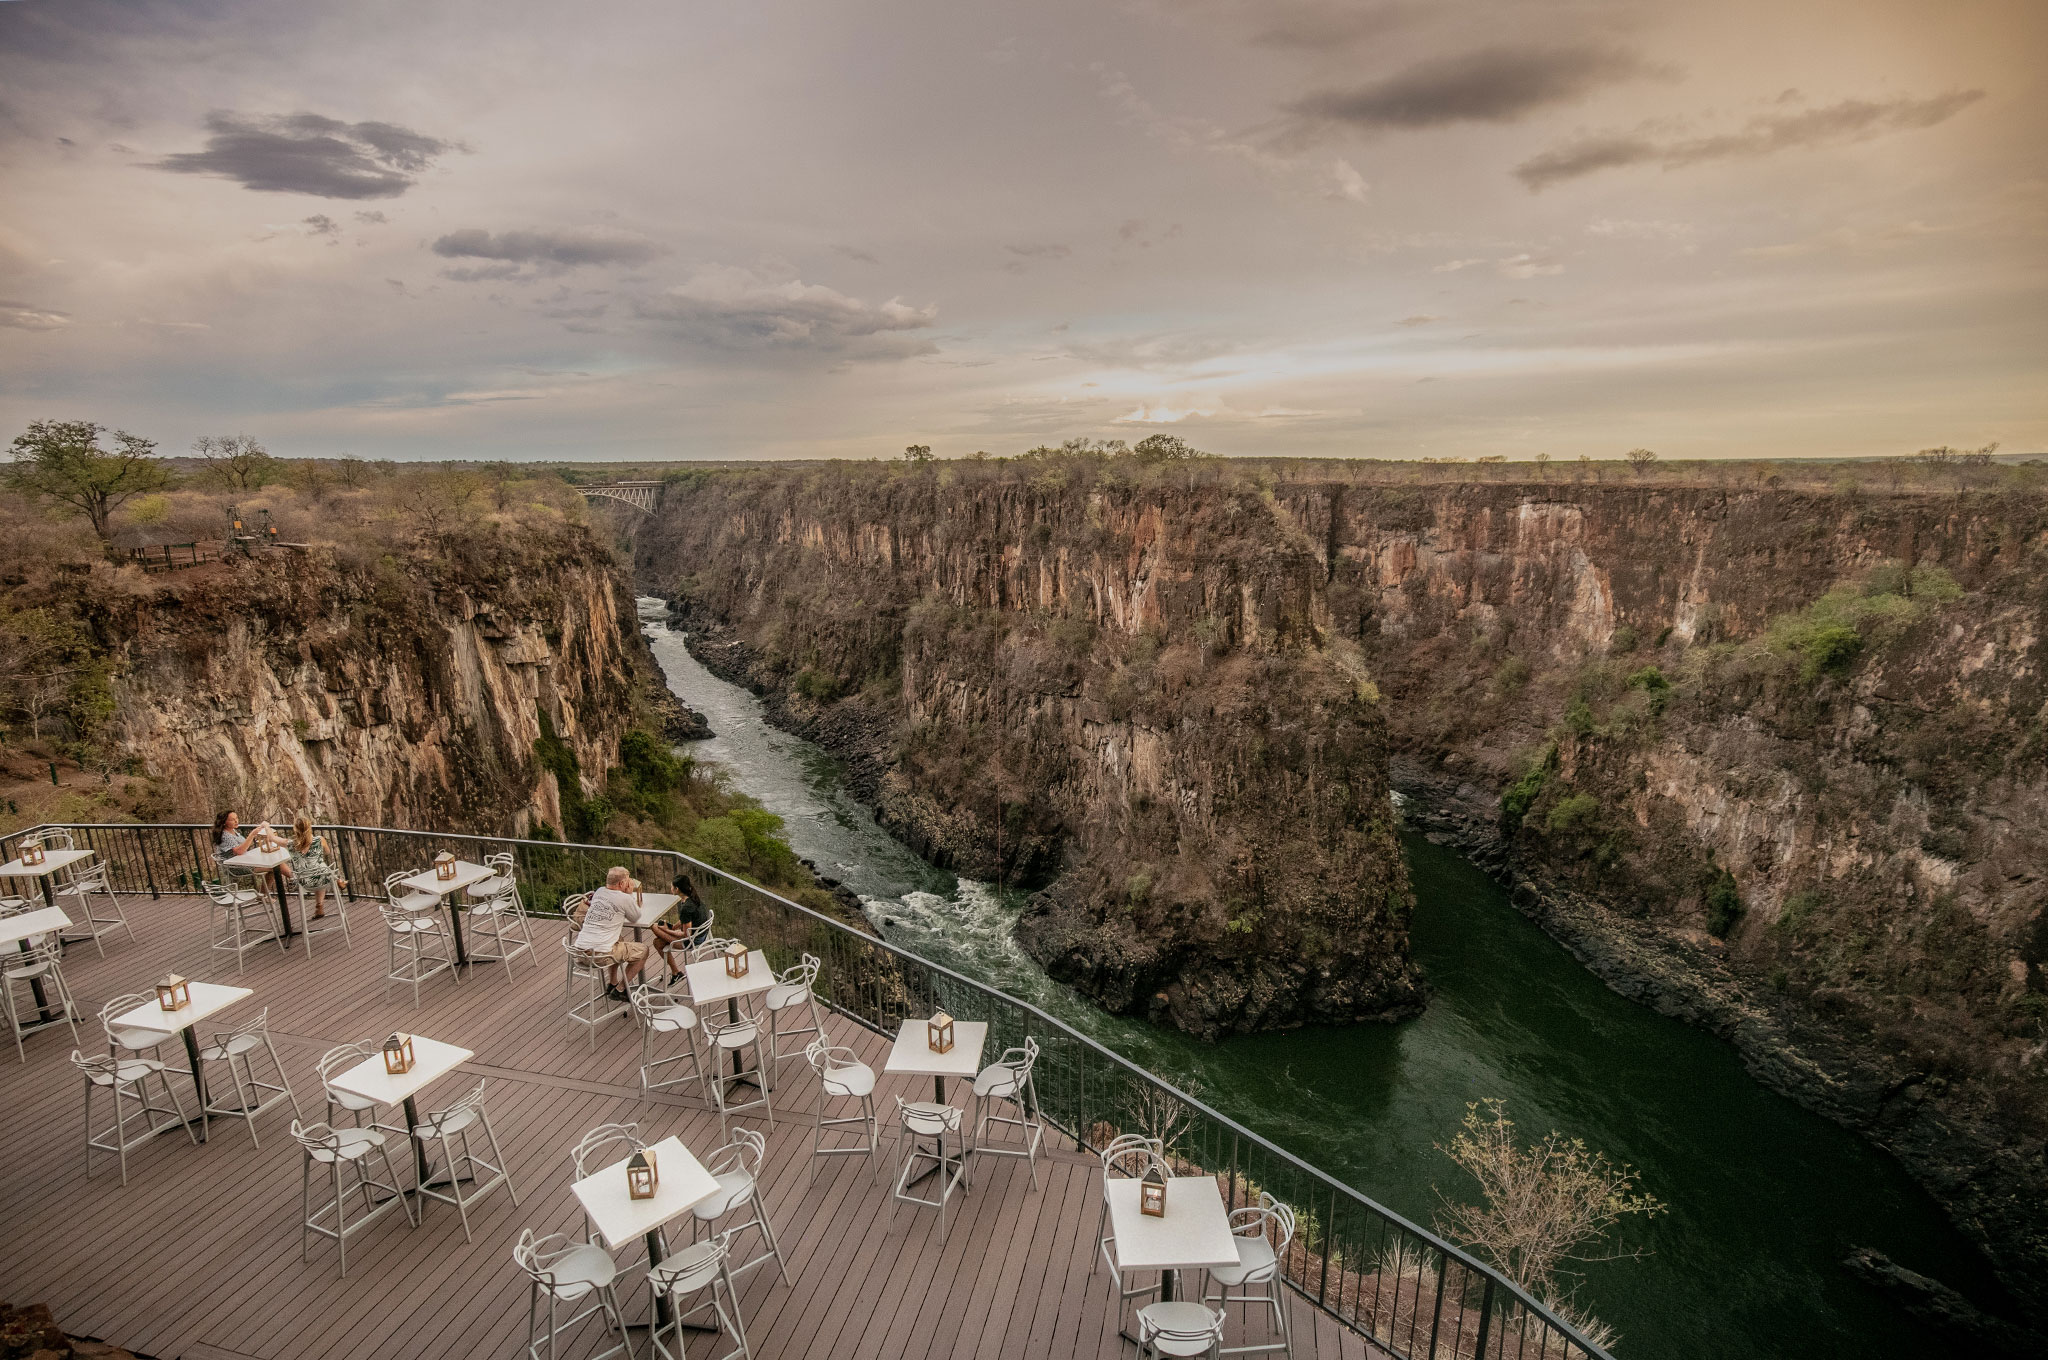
[199, 1255]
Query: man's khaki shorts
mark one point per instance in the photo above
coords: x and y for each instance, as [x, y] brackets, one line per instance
[628, 951]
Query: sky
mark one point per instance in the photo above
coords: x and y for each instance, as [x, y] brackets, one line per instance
[614, 229]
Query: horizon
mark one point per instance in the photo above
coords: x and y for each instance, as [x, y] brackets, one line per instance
[1306, 229]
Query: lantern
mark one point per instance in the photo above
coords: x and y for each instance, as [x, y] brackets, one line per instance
[173, 993]
[641, 1175]
[736, 959]
[444, 866]
[1152, 1192]
[398, 1054]
[32, 852]
[940, 1032]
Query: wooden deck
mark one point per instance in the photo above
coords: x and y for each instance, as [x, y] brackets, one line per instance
[199, 1256]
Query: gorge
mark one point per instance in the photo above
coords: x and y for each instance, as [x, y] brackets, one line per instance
[1768, 760]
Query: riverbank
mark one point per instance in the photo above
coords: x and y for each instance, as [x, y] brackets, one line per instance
[1768, 1198]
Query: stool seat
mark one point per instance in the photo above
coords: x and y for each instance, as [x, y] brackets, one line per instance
[1254, 1254]
[489, 887]
[734, 1189]
[1192, 1327]
[674, 1018]
[850, 1081]
[236, 1046]
[581, 1270]
[418, 901]
[353, 1145]
[127, 1070]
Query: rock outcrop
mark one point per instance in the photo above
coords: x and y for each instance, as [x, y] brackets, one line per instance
[401, 693]
[1117, 694]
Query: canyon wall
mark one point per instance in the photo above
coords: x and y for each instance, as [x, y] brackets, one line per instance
[1771, 761]
[1113, 694]
[407, 690]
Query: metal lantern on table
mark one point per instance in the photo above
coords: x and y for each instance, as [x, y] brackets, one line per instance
[735, 959]
[939, 1032]
[1152, 1192]
[398, 1054]
[642, 1176]
[173, 993]
[444, 866]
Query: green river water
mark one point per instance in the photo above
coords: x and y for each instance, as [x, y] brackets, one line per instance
[1765, 1198]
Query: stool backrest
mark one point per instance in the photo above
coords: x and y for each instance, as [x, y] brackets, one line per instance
[344, 1056]
[743, 1153]
[121, 1005]
[101, 1069]
[602, 1144]
[694, 1267]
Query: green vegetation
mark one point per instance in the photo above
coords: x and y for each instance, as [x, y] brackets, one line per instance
[1793, 915]
[1523, 793]
[61, 461]
[1724, 905]
[1828, 635]
[1576, 812]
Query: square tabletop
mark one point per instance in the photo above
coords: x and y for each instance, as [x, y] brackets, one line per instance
[430, 1059]
[654, 906]
[709, 983]
[260, 859]
[1194, 1234]
[681, 1184]
[53, 860]
[38, 922]
[207, 997]
[912, 1055]
[465, 874]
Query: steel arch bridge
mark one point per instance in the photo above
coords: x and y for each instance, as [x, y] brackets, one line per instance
[639, 495]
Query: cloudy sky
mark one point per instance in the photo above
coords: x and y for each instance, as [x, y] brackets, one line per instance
[1394, 228]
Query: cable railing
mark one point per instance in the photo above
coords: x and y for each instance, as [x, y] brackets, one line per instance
[1414, 1295]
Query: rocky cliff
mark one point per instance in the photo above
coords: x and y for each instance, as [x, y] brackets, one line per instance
[405, 690]
[1770, 760]
[1117, 694]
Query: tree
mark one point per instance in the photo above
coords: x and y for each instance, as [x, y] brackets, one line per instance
[917, 453]
[1543, 467]
[1639, 460]
[1165, 448]
[353, 471]
[62, 460]
[235, 462]
[1546, 1205]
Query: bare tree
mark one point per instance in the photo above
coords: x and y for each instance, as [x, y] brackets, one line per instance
[235, 462]
[353, 471]
[1546, 1205]
[1543, 467]
[1639, 461]
[63, 461]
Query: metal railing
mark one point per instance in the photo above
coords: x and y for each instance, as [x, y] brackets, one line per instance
[1416, 1296]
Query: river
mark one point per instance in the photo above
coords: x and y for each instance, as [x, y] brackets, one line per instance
[1765, 1198]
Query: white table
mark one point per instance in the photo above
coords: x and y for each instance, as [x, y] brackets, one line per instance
[681, 1184]
[260, 861]
[710, 984]
[912, 1056]
[446, 889]
[652, 907]
[19, 930]
[1194, 1234]
[53, 860]
[430, 1059]
[207, 998]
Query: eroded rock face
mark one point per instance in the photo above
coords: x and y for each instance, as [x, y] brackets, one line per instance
[404, 696]
[1121, 696]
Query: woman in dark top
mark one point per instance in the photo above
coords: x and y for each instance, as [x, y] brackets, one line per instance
[692, 916]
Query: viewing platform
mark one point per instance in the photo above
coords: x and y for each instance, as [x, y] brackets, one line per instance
[198, 1256]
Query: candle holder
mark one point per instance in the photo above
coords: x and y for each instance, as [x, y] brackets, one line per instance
[642, 1176]
[939, 1032]
[736, 961]
[444, 866]
[1152, 1192]
[173, 993]
[32, 853]
[398, 1054]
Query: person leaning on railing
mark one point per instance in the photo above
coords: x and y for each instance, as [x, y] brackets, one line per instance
[604, 929]
[310, 867]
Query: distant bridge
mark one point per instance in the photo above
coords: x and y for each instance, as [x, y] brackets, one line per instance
[639, 495]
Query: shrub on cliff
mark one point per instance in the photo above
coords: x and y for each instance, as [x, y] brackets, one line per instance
[1724, 905]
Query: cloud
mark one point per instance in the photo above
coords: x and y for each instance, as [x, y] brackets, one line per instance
[1526, 267]
[850, 253]
[724, 307]
[305, 153]
[1026, 256]
[1633, 229]
[1453, 266]
[1419, 319]
[527, 254]
[1346, 182]
[371, 219]
[320, 224]
[1849, 120]
[1490, 85]
[23, 317]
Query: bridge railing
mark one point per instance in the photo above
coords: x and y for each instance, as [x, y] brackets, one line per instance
[1414, 1295]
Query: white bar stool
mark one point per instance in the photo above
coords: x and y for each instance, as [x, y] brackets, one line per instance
[128, 1079]
[667, 1013]
[737, 1169]
[449, 1127]
[237, 1048]
[565, 1271]
[843, 1076]
[704, 1266]
[335, 1149]
[1008, 1081]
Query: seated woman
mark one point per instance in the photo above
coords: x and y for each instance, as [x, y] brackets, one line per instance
[692, 918]
[310, 867]
[228, 841]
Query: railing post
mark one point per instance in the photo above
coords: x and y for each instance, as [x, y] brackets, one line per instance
[1436, 1309]
[1485, 1317]
[149, 877]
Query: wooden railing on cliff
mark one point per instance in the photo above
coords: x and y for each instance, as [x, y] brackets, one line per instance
[1414, 1295]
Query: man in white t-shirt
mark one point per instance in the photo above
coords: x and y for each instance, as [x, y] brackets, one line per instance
[611, 908]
